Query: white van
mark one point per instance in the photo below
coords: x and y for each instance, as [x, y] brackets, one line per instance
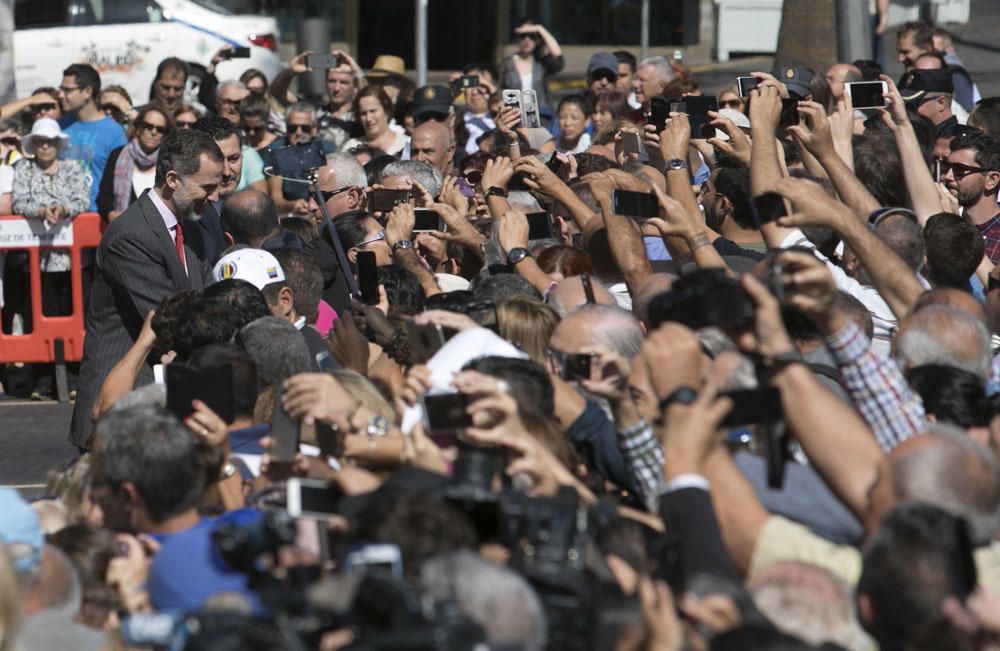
[126, 39]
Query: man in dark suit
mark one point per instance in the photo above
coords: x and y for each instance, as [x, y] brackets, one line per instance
[205, 235]
[142, 259]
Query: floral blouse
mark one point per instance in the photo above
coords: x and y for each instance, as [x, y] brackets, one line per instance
[34, 190]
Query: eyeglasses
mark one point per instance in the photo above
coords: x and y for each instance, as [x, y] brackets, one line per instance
[295, 128]
[604, 74]
[960, 171]
[145, 126]
[38, 108]
[185, 124]
[377, 238]
[473, 177]
[734, 104]
[330, 194]
[250, 129]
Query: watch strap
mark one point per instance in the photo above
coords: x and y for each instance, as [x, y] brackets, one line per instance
[401, 244]
[684, 395]
[494, 191]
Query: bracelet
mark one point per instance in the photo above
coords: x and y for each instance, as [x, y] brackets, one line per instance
[698, 240]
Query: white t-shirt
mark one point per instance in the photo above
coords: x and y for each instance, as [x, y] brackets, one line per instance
[6, 179]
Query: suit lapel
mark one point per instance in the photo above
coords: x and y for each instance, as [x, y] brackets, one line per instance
[166, 242]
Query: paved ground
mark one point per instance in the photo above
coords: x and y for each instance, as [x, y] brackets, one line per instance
[33, 435]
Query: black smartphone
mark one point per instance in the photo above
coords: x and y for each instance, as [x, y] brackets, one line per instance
[385, 200]
[468, 81]
[634, 204]
[322, 61]
[539, 226]
[284, 432]
[329, 440]
[213, 386]
[239, 53]
[746, 84]
[367, 277]
[752, 406]
[659, 109]
[298, 158]
[789, 112]
[576, 366]
[446, 412]
[424, 340]
[425, 220]
[867, 94]
[556, 165]
[767, 208]
[631, 144]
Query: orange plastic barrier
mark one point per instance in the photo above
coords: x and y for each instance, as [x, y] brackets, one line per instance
[53, 338]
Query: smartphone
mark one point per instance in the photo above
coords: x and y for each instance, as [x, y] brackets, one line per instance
[322, 61]
[213, 386]
[746, 84]
[630, 142]
[634, 204]
[937, 170]
[284, 432]
[530, 117]
[556, 165]
[468, 81]
[511, 98]
[576, 366]
[383, 557]
[446, 413]
[239, 53]
[752, 406]
[311, 498]
[385, 200]
[426, 220]
[659, 110]
[424, 340]
[767, 208]
[367, 277]
[867, 94]
[789, 112]
[298, 158]
[324, 361]
[695, 105]
[540, 226]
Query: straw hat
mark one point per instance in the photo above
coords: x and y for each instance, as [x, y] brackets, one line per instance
[388, 66]
[45, 128]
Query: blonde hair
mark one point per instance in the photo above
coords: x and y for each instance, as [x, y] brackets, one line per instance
[366, 393]
[10, 602]
[606, 136]
[70, 485]
[527, 323]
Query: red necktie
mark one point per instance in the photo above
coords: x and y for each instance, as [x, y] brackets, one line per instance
[179, 241]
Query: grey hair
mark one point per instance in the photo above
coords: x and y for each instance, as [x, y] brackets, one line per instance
[231, 83]
[277, 348]
[956, 474]
[421, 172]
[662, 66]
[945, 336]
[610, 326]
[496, 598]
[151, 394]
[347, 171]
[556, 297]
[524, 201]
[301, 107]
[809, 602]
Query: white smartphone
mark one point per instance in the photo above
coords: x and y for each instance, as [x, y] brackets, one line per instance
[867, 94]
[379, 558]
[311, 498]
[530, 117]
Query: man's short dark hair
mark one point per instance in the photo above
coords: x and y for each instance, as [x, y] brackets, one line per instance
[174, 65]
[878, 166]
[951, 395]
[249, 222]
[923, 34]
[402, 288]
[734, 183]
[277, 348]
[485, 66]
[85, 77]
[493, 287]
[181, 152]
[351, 228]
[986, 116]
[150, 448]
[240, 298]
[954, 250]
[626, 57]
[217, 127]
[903, 235]
[987, 148]
[528, 381]
[303, 275]
[205, 321]
[244, 373]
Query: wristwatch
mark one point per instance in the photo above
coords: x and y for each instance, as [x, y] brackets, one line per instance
[676, 164]
[494, 191]
[517, 254]
[401, 244]
[684, 395]
[228, 470]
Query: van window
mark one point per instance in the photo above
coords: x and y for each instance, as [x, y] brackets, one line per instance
[112, 12]
[30, 14]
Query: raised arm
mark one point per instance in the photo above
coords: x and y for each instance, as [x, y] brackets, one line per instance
[624, 238]
[765, 165]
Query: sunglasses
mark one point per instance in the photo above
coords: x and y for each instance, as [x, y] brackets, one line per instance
[473, 177]
[295, 128]
[257, 129]
[377, 238]
[734, 104]
[330, 194]
[185, 124]
[38, 108]
[960, 171]
[606, 75]
[145, 126]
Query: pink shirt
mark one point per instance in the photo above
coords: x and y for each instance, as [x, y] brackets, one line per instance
[327, 315]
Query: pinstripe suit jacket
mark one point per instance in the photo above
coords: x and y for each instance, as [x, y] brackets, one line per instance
[137, 267]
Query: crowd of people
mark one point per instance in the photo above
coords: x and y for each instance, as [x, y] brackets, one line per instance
[392, 371]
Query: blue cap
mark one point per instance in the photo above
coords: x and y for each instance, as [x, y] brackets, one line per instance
[19, 525]
[603, 61]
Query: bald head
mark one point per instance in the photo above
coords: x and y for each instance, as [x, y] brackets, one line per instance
[569, 295]
[433, 142]
[249, 217]
[598, 325]
[950, 297]
[654, 284]
[840, 74]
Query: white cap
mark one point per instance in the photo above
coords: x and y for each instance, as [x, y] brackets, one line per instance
[256, 266]
[44, 128]
[739, 119]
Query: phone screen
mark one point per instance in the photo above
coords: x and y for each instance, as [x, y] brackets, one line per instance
[239, 53]
[313, 497]
[576, 366]
[367, 277]
[752, 406]
[789, 112]
[634, 204]
[555, 165]
[284, 432]
[213, 386]
[630, 142]
[539, 226]
[386, 200]
[426, 220]
[867, 94]
[446, 412]
[322, 61]
[659, 109]
[424, 340]
[469, 81]
[767, 207]
[746, 84]
[297, 158]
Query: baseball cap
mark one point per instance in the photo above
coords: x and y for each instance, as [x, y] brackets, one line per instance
[256, 266]
[915, 83]
[795, 78]
[603, 61]
[432, 99]
[19, 526]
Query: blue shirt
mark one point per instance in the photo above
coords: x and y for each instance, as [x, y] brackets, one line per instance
[91, 143]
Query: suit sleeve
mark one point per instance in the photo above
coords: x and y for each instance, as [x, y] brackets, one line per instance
[689, 514]
[106, 192]
[133, 267]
